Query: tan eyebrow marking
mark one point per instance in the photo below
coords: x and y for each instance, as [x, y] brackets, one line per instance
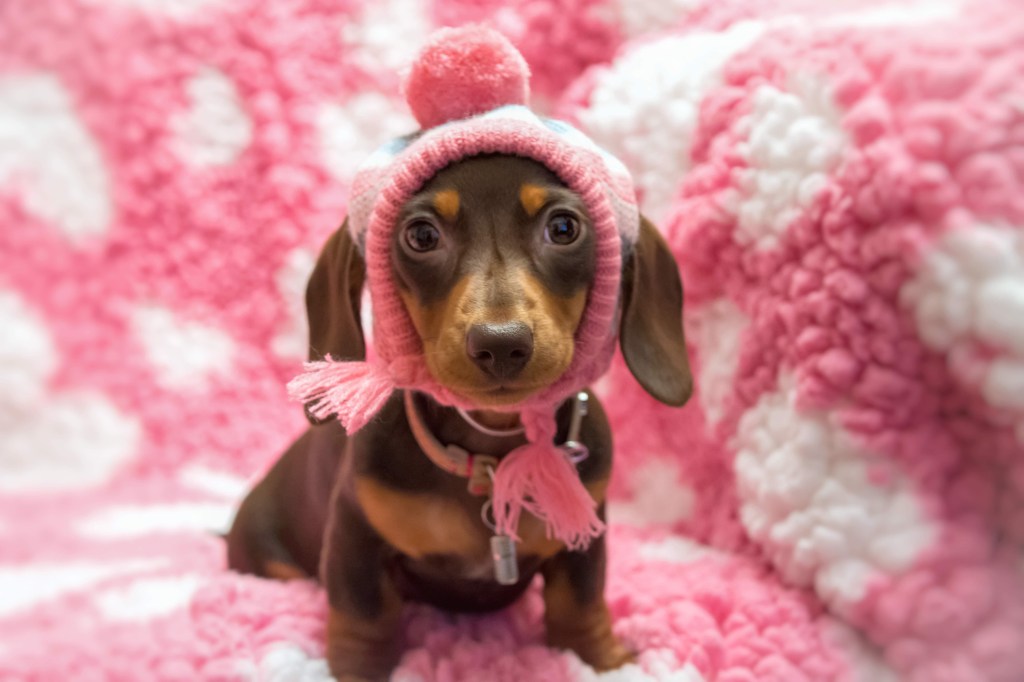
[532, 197]
[447, 203]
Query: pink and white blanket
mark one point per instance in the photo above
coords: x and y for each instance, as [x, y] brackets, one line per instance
[843, 187]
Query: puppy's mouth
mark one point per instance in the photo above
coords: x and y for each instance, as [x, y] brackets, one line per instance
[498, 394]
[496, 364]
[504, 390]
[497, 378]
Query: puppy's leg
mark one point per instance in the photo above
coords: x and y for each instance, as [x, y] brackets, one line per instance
[254, 542]
[365, 607]
[576, 614]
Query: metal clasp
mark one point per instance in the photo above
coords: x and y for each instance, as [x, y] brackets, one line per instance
[573, 448]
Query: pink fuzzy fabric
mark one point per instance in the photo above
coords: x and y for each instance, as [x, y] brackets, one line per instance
[463, 74]
[841, 182]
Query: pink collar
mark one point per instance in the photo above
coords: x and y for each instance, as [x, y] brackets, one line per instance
[451, 458]
[479, 469]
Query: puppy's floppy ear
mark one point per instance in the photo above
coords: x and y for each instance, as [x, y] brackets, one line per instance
[332, 302]
[651, 335]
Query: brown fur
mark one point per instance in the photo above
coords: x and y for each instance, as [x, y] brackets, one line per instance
[532, 197]
[583, 626]
[418, 524]
[443, 325]
[367, 645]
[369, 514]
[447, 204]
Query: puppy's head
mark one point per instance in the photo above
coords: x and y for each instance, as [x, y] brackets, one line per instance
[494, 258]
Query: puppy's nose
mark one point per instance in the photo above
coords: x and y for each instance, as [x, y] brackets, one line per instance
[501, 350]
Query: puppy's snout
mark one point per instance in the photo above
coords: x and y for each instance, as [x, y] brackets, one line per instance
[501, 350]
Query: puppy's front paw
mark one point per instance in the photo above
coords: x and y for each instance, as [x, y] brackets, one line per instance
[607, 655]
[350, 665]
[601, 652]
[360, 651]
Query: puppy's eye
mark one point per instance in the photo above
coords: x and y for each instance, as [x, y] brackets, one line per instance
[422, 235]
[562, 229]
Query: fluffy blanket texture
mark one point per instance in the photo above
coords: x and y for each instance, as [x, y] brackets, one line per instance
[842, 183]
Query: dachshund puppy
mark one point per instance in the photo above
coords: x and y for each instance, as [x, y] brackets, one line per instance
[494, 258]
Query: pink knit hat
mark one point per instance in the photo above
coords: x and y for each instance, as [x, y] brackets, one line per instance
[468, 89]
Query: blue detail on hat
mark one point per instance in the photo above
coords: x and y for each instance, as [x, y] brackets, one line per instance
[557, 126]
[395, 146]
[507, 107]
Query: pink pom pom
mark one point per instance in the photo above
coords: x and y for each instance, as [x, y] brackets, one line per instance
[465, 71]
[538, 477]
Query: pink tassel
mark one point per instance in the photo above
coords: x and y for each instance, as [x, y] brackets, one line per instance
[539, 477]
[354, 391]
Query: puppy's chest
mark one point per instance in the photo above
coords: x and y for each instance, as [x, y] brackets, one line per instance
[444, 530]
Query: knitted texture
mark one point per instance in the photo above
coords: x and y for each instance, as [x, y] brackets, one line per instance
[839, 181]
[482, 68]
[465, 72]
[533, 473]
[846, 205]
